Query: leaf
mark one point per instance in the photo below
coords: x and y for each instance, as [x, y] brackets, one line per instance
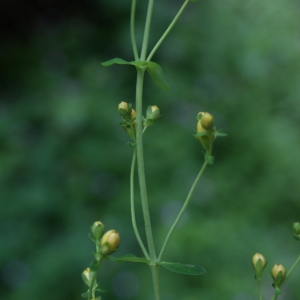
[101, 291]
[187, 269]
[85, 295]
[221, 134]
[118, 61]
[131, 258]
[155, 72]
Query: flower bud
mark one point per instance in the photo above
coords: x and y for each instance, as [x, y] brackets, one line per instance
[278, 273]
[207, 120]
[259, 263]
[153, 113]
[296, 230]
[126, 110]
[97, 229]
[205, 137]
[87, 275]
[110, 242]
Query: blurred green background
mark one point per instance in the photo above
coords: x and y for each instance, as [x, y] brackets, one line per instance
[64, 162]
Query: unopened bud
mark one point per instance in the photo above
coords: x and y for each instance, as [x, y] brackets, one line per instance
[86, 276]
[259, 263]
[296, 231]
[126, 110]
[97, 229]
[278, 274]
[153, 113]
[205, 137]
[207, 120]
[110, 242]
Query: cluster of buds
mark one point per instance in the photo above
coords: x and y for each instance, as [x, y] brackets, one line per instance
[259, 263]
[128, 115]
[278, 272]
[107, 243]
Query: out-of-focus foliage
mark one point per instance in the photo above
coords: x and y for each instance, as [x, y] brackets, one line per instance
[64, 162]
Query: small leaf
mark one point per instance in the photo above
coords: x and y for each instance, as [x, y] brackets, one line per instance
[203, 133]
[101, 291]
[155, 72]
[131, 258]
[218, 133]
[118, 61]
[85, 295]
[187, 269]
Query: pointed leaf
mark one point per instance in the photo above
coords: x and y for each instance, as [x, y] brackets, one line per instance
[118, 61]
[131, 258]
[187, 269]
[221, 133]
[85, 295]
[155, 71]
[101, 291]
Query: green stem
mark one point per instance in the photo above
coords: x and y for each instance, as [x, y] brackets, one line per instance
[259, 289]
[168, 30]
[132, 32]
[132, 207]
[292, 269]
[182, 210]
[140, 160]
[147, 30]
[92, 287]
[155, 279]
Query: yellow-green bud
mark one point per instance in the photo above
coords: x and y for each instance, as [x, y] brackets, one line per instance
[97, 229]
[296, 230]
[259, 263]
[278, 274]
[153, 112]
[207, 137]
[87, 275]
[207, 120]
[126, 110]
[110, 242]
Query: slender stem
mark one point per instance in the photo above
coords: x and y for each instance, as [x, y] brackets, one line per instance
[189, 196]
[92, 287]
[147, 30]
[259, 289]
[292, 269]
[168, 30]
[132, 31]
[140, 160]
[132, 207]
[155, 279]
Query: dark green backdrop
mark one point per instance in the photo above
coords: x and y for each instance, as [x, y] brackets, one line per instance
[64, 162]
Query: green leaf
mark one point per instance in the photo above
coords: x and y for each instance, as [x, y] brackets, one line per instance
[131, 258]
[187, 269]
[101, 291]
[85, 295]
[155, 72]
[220, 133]
[118, 61]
